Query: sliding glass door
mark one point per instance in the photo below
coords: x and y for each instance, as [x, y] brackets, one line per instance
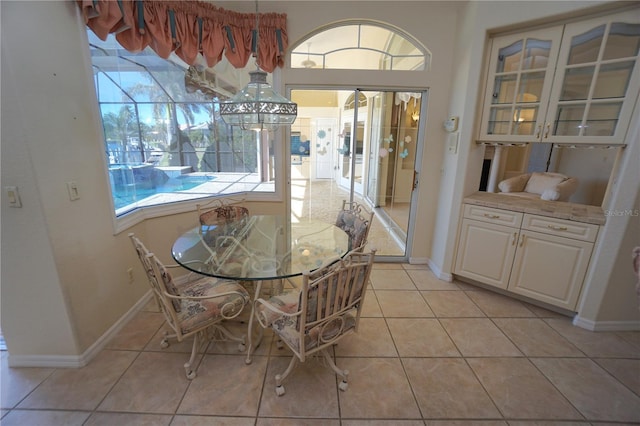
[360, 146]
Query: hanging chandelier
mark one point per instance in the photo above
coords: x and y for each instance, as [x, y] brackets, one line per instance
[258, 106]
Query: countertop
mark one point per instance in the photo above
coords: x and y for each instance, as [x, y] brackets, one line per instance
[556, 209]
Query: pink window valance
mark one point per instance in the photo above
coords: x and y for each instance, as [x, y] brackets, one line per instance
[188, 28]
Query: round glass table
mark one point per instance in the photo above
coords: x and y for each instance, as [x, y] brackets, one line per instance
[259, 248]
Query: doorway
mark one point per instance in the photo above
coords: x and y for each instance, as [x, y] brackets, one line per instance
[363, 147]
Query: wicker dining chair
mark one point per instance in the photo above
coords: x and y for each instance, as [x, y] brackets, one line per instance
[326, 309]
[193, 305]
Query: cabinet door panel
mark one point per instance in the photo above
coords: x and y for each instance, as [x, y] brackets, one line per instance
[596, 81]
[550, 268]
[519, 84]
[485, 252]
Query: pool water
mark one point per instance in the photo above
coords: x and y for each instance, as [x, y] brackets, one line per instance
[124, 195]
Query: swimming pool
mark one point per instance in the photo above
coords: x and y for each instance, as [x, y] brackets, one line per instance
[133, 183]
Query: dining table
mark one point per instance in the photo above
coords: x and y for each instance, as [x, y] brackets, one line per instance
[258, 249]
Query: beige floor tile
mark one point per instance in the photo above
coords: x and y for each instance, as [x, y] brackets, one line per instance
[297, 422]
[541, 312]
[625, 370]
[372, 339]
[385, 265]
[426, 280]
[311, 390]
[403, 304]
[212, 421]
[391, 279]
[378, 389]
[465, 423]
[497, 305]
[632, 337]
[81, 388]
[174, 346]
[421, 337]
[451, 304]
[394, 422]
[128, 419]
[136, 334]
[416, 266]
[446, 388]
[534, 337]
[371, 306]
[225, 386]
[520, 391]
[155, 383]
[17, 383]
[601, 344]
[44, 418]
[590, 389]
[478, 337]
[548, 423]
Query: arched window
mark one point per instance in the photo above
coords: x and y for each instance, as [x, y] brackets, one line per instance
[349, 104]
[361, 45]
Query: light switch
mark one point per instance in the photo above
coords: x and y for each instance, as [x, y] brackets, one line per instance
[13, 196]
[72, 187]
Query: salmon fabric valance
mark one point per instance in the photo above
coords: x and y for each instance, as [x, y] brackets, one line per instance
[188, 28]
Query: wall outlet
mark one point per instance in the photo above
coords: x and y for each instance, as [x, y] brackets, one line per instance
[130, 274]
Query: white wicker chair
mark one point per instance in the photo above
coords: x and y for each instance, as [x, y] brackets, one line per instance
[355, 220]
[193, 305]
[326, 309]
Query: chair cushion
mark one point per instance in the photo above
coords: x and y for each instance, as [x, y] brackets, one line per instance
[286, 302]
[194, 313]
[538, 182]
[354, 226]
[223, 214]
[285, 328]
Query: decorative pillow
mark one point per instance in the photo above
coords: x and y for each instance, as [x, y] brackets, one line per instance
[538, 182]
[514, 184]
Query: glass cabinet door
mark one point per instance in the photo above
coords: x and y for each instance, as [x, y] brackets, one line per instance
[596, 81]
[519, 84]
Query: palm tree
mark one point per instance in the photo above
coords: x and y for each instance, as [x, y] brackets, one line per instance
[120, 127]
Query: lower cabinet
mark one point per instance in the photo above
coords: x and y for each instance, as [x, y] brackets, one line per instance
[543, 258]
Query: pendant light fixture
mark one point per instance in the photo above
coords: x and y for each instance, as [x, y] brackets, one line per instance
[258, 106]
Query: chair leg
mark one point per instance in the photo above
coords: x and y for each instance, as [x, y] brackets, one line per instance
[343, 386]
[281, 377]
[164, 343]
[190, 372]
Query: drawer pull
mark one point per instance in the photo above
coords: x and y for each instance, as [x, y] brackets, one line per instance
[557, 228]
[492, 216]
[521, 241]
[515, 237]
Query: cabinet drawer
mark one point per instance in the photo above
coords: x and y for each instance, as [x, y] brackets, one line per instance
[560, 227]
[490, 215]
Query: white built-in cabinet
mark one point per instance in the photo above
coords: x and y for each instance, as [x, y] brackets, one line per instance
[573, 83]
[542, 258]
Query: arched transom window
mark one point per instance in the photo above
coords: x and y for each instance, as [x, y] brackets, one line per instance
[360, 45]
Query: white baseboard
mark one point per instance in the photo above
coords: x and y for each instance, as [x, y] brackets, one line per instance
[444, 276]
[77, 361]
[606, 325]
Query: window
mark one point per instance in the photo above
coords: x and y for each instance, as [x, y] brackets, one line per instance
[164, 138]
[362, 46]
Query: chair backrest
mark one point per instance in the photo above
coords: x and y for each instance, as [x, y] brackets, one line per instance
[356, 221]
[332, 296]
[158, 284]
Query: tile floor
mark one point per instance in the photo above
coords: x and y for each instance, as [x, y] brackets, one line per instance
[428, 353]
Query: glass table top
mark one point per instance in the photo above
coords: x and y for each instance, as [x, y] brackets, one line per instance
[260, 247]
